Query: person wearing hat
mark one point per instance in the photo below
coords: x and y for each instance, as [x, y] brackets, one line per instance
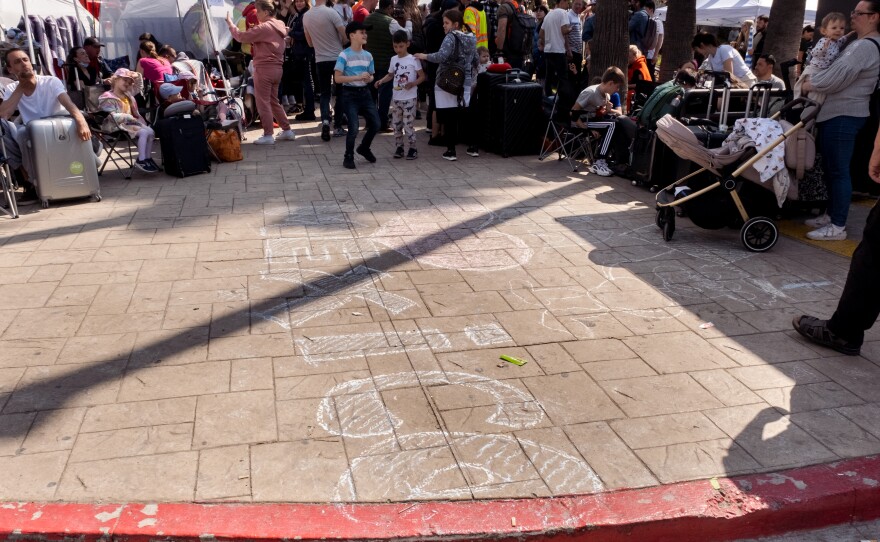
[35, 97]
[124, 115]
[355, 70]
[268, 43]
[93, 45]
[170, 94]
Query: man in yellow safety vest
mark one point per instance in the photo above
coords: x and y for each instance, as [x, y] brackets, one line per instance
[475, 19]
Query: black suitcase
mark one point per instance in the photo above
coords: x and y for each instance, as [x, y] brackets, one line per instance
[653, 164]
[486, 84]
[516, 118]
[184, 145]
[708, 137]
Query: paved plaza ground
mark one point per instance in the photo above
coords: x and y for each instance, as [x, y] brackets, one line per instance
[286, 330]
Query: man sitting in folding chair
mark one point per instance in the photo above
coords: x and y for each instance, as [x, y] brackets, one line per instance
[35, 97]
[590, 110]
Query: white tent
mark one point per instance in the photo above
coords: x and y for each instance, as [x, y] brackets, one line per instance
[11, 12]
[731, 13]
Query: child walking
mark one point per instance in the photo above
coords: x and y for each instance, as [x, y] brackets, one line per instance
[407, 74]
[354, 70]
[826, 50]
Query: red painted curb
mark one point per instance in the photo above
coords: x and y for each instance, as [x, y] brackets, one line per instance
[745, 506]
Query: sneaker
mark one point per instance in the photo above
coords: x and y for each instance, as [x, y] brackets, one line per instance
[817, 331]
[473, 151]
[450, 155]
[286, 135]
[26, 198]
[412, 154]
[340, 132]
[265, 140]
[325, 131]
[601, 168]
[305, 117]
[348, 162]
[145, 166]
[398, 153]
[828, 232]
[819, 221]
[366, 153]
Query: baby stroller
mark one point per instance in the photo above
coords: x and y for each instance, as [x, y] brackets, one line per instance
[704, 199]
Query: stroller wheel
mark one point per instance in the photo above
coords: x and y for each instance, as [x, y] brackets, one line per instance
[669, 226]
[759, 234]
[661, 217]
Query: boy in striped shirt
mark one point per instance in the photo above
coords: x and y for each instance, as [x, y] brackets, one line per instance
[354, 70]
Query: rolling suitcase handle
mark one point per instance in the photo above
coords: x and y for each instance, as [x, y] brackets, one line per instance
[764, 88]
[724, 79]
[520, 76]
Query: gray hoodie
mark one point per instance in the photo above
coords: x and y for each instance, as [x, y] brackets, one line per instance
[849, 82]
[467, 54]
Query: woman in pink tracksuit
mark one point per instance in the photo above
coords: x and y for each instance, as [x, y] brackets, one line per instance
[267, 39]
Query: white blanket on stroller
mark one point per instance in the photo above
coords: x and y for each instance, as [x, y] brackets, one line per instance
[760, 133]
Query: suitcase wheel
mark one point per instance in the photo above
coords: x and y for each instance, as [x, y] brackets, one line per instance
[98, 197]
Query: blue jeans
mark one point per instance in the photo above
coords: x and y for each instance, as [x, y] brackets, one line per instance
[837, 140]
[359, 101]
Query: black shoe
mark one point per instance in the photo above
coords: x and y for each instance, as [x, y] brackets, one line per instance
[412, 154]
[399, 152]
[307, 117]
[154, 164]
[473, 151]
[436, 142]
[325, 132]
[366, 153]
[817, 331]
[145, 166]
[348, 162]
[26, 198]
[450, 155]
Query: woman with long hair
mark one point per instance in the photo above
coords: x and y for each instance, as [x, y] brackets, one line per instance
[267, 39]
[152, 65]
[458, 50]
[848, 84]
[80, 73]
[724, 58]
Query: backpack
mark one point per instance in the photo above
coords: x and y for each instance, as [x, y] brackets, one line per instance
[520, 32]
[649, 41]
[660, 102]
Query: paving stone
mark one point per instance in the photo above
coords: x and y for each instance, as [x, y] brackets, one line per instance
[15, 429]
[570, 398]
[533, 327]
[158, 478]
[678, 352]
[223, 473]
[618, 369]
[866, 416]
[763, 348]
[696, 460]
[725, 387]
[97, 348]
[761, 377]
[558, 462]
[301, 471]
[53, 430]
[609, 457]
[598, 350]
[135, 441]
[32, 477]
[252, 374]
[855, 374]
[662, 431]
[66, 386]
[175, 381]
[840, 435]
[768, 436]
[139, 414]
[235, 418]
[48, 323]
[807, 397]
[552, 358]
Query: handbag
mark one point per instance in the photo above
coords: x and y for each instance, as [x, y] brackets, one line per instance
[226, 145]
[450, 75]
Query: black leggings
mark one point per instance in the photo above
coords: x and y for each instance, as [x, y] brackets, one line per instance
[456, 126]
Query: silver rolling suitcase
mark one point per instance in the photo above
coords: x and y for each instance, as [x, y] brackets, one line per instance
[65, 165]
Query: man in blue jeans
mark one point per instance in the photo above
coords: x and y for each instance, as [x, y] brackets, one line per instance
[355, 70]
[859, 304]
[325, 32]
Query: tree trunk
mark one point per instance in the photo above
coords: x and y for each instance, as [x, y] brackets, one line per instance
[784, 30]
[679, 30]
[611, 38]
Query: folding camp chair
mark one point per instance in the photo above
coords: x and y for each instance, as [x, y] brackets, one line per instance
[560, 138]
[7, 183]
[121, 148]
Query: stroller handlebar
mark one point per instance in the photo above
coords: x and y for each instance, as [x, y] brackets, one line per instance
[806, 103]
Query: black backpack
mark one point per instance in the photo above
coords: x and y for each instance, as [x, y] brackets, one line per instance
[649, 41]
[520, 32]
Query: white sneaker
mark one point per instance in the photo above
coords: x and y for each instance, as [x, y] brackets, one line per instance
[819, 221]
[286, 135]
[265, 140]
[828, 232]
[601, 168]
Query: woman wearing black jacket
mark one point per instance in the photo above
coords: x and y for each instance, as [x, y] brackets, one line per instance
[79, 70]
[303, 58]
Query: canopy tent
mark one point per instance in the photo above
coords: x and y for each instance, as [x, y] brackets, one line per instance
[179, 23]
[11, 12]
[731, 13]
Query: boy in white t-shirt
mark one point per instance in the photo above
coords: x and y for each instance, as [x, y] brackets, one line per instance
[406, 72]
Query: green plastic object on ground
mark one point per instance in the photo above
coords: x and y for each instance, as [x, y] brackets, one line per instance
[513, 360]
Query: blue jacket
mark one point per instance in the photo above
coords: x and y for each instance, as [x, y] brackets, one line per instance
[638, 24]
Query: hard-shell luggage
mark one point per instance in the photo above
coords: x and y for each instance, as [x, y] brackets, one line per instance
[64, 164]
[184, 145]
[516, 124]
[652, 163]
